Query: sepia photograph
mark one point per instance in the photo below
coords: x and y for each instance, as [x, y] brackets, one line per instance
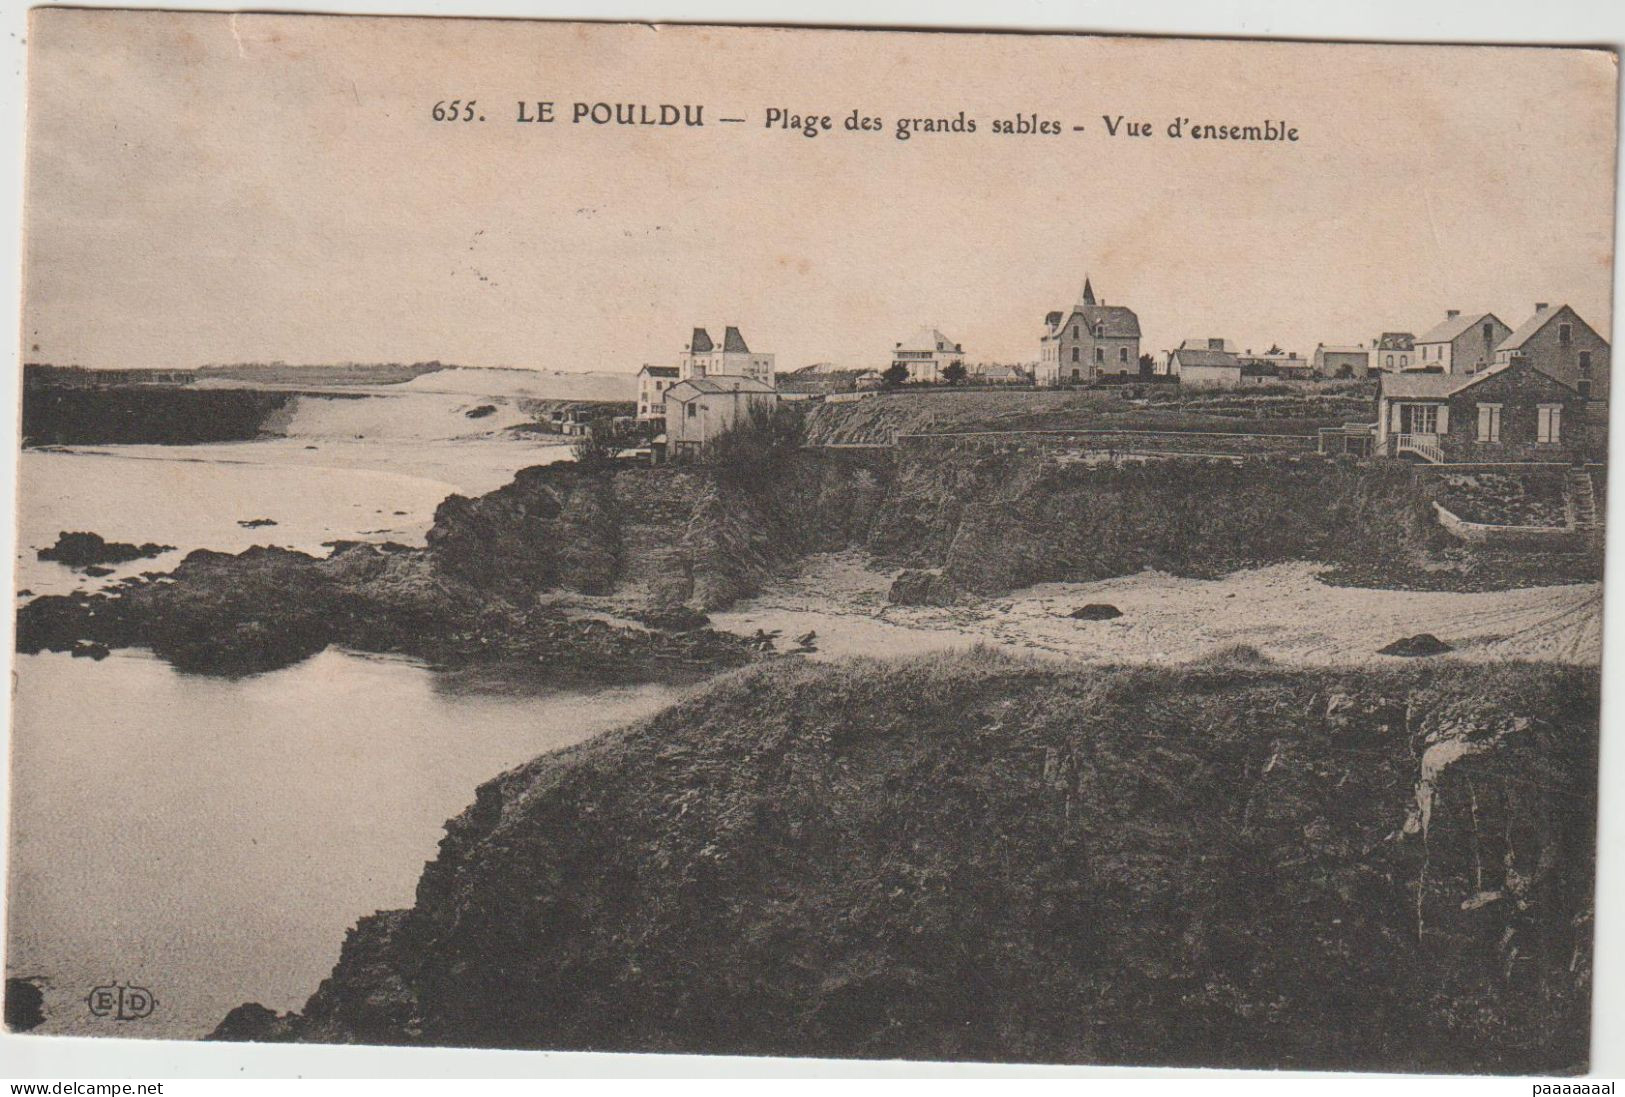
[953, 546]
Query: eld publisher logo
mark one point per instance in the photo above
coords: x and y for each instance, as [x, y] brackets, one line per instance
[121, 1002]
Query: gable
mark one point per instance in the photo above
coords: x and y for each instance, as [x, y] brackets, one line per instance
[1542, 322]
[1120, 322]
[1521, 383]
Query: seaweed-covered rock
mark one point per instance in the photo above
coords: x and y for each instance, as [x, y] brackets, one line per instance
[1423, 643]
[82, 550]
[922, 587]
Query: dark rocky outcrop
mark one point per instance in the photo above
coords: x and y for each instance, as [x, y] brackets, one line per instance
[104, 414]
[1423, 643]
[86, 550]
[975, 858]
[922, 587]
[267, 608]
[1096, 611]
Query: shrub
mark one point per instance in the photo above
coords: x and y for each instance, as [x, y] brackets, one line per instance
[601, 443]
[760, 442]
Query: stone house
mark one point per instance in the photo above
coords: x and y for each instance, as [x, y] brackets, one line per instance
[1460, 344]
[1562, 345]
[1087, 342]
[700, 408]
[1510, 412]
[1276, 365]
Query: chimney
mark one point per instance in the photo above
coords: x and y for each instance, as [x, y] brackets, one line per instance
[1215, 344]
[1540, 306]
[1451, 314]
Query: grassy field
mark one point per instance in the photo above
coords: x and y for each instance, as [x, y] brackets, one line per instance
[1268, 411]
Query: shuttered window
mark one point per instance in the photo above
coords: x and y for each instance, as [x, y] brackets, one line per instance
[1549, 427]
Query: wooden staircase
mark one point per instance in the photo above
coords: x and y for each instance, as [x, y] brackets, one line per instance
[1425, 446]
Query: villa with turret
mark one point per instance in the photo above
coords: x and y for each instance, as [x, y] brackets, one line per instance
[1090, 341]
[703, 358]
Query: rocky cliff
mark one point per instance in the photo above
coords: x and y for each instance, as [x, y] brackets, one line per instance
[1226, 864]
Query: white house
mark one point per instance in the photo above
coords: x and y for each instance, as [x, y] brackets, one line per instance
[703, 358]
[1460, 344]
[1332, 360]
[1393, 350]
[700, 408]
[1205, 363]
[653, 381]
[926, 353]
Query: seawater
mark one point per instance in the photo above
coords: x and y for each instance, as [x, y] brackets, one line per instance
[211, 839]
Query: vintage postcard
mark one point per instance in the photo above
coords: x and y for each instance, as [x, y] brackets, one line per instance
[824, 543]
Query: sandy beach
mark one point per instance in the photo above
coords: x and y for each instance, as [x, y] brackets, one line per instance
[1284, 611]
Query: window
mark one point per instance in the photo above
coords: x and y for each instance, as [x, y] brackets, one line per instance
[1489, 422]
[1074, 354]
[1489, 333]
[1122, 354]
[693, 410]
[1390, 361]
[1100, 331]
[1074, 331]
[1585, 363]
[1549, 427]
[1565, 333]
[1404, 360]
[1100, 354]
[1424, 419]
[1585, 389]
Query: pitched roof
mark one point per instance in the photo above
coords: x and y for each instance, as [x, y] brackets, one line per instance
[683, 391]
[1119, 322]
[1202, 344]
[1452, 326]
[927, 339]
[701, 342]
[1530, 327]
[733, 342]
[1396, 340]
[1201, 356]
[1341, 348]
[658, 371]
[1434, 386]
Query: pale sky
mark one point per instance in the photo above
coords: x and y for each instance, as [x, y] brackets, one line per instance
[203, 188]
